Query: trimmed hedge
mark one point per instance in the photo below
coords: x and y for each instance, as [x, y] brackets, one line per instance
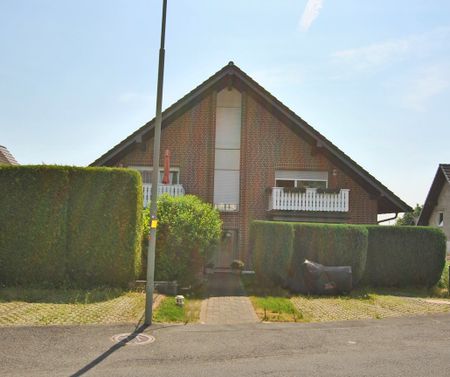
[332, 245]
[404, 256]
[280, 248]
[67, 225]
[33, 231]
[378, 255]
[272, 244]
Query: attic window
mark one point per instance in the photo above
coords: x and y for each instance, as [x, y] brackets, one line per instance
[441, 219]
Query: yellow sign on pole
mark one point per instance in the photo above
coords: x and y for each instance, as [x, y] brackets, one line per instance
[154, 224]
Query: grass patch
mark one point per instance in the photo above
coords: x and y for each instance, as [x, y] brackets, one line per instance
[276, 309]
[169, 311]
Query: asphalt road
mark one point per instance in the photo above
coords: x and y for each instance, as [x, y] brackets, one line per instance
[418, 346]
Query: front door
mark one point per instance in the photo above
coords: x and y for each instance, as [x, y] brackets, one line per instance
[228, 248]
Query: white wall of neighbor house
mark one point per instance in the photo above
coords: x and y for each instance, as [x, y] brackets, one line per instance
[442, 207]
[227, 149]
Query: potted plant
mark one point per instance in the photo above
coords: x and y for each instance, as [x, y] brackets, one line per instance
[209, 268]
[237, 266]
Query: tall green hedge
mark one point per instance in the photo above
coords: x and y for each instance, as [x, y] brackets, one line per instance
[272, 245]
[33, 230]
[332, 245]
[378, 255]
[68, 225]
[280, 248]
[404, 256]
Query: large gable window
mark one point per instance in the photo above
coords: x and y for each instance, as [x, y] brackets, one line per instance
[302, 179]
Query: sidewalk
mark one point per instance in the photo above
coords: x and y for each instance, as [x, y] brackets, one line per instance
[227, 302]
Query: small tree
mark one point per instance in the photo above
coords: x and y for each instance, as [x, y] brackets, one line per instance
[410, 218]
[188, 230]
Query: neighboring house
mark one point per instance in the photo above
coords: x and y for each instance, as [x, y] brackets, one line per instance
[6, 158]
[436, 210]
[236, 146]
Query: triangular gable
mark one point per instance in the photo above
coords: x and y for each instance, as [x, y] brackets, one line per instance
[441, 178]
[231, 75]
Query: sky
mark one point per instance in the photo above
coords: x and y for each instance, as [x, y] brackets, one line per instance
[77, 77]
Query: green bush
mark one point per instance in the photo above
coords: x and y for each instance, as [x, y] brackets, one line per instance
[331, 245]
[272, 248]
[67, 225]
[104, 227]
[280, 248]
[33, 231]
[188, 230]
[404, 256]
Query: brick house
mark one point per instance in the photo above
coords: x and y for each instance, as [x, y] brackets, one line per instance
[436, 210]
[236, 146]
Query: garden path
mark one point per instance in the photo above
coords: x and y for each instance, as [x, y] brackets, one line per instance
[227, 302]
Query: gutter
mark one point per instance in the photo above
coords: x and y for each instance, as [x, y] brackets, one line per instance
[389, 219]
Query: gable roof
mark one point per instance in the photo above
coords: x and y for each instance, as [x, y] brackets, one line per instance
[6, 157]
[232, 75]
[442, 176]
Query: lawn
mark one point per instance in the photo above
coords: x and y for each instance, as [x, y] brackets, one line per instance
[169, 311]
[28, 307]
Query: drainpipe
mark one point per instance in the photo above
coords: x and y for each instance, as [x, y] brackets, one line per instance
[389, 219]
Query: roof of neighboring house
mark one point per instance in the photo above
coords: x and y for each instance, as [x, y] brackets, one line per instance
[6, 157]
[442, 176]
[231, 75]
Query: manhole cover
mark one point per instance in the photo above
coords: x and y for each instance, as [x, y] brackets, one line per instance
[134, 340]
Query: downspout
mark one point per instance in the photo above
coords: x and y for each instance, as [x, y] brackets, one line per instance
[389, 219]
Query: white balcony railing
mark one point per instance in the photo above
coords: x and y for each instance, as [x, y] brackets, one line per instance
[310, 200]
[172, 190]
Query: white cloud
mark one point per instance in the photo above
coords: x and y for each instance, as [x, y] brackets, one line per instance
[310, 13]
[374, 56]
[378, 55]
[428, 83]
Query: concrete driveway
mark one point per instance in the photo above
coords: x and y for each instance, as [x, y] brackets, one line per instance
[418, 346]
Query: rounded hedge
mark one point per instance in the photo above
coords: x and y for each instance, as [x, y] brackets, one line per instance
[404, 256]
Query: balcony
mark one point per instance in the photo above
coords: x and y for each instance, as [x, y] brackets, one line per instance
[172, 190]
[310, 199]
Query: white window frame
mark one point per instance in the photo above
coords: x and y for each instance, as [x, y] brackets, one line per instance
[296, 181]
[440, 223]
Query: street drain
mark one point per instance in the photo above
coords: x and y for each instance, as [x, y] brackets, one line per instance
[133, 339]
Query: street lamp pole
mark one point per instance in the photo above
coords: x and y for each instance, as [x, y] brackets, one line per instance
[155, 175]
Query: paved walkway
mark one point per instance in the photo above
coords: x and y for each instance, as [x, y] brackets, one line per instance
[227, 302]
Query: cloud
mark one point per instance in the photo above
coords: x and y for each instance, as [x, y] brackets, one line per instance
[374, 56]
[427, 84]
[379, 55]
[310, 13]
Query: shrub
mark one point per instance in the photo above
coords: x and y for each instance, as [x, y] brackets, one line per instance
[188, 230]
[331, 245]
[67, 225]
[280, 248]
[404, 256]
[104, 226]
[272, 247]
[33, 232]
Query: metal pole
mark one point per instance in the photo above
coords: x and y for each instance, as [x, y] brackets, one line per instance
[155, 176]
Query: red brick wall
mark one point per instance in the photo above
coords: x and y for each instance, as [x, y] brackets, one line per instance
[266, 145]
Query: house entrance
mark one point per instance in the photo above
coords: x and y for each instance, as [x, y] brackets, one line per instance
[228, 249]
